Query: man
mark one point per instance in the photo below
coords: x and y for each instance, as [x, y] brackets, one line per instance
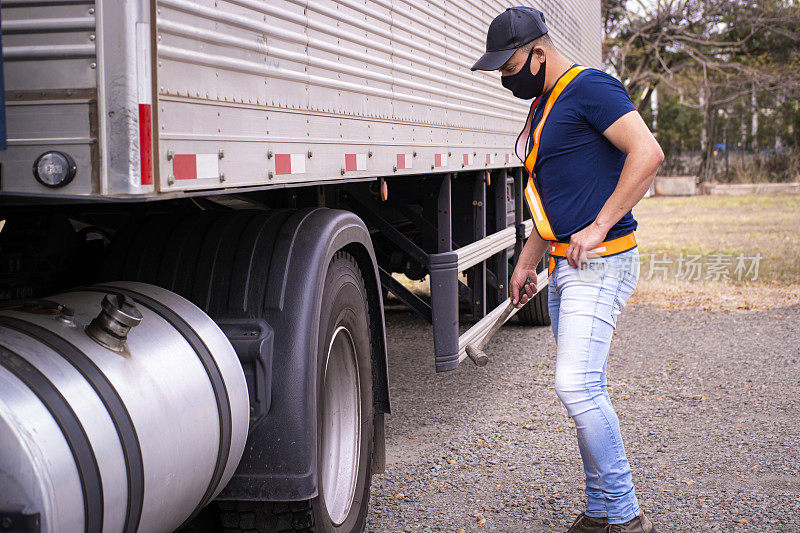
[590, 160]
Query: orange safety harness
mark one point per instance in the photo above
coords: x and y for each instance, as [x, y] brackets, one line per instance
[540, 221]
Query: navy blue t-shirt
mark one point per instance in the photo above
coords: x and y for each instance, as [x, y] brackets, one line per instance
[577, 168]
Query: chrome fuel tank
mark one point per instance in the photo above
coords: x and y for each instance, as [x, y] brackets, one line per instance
[131, 423]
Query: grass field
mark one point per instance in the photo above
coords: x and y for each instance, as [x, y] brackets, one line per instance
[719, 233]
[688, 245]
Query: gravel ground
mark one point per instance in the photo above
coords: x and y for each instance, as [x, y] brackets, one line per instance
[707, 401]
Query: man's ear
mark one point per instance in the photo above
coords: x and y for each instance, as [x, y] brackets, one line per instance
[539, 53]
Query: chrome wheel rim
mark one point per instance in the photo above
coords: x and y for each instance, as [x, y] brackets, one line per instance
[341, 425]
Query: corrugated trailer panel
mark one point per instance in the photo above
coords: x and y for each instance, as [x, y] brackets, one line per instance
[256, 93]
[77, 73]
[49, 57]
[577, 26]
[48, 46]
[289, 91]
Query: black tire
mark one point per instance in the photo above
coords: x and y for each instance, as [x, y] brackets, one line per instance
[344, 304]
[264, 517]
[536, 312]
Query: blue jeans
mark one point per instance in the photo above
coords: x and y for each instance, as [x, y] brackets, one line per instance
[584, 306]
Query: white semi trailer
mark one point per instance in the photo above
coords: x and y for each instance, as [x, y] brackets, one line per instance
[203, 204]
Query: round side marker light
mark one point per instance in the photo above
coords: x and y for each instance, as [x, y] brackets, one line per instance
[54, 169]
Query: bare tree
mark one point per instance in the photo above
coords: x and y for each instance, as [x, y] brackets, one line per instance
[710, 52]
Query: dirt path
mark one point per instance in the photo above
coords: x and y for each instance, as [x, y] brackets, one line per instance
[707, 401]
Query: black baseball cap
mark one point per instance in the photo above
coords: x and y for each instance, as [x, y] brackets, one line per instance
[508, 31]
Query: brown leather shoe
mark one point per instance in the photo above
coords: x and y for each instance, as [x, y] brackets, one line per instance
[589, 524]
[639, 524]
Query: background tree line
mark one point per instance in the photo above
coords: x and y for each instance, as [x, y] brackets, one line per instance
[718, 82]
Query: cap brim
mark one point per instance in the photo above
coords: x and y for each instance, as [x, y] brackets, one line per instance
[493, 60]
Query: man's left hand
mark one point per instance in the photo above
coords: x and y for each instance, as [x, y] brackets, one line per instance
[581, 242]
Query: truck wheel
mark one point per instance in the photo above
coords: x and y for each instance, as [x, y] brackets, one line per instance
[344, 420]
[536, 312]
[344, 407]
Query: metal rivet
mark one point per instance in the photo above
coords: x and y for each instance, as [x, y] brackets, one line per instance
[270, 174]
[369, 154]
[93, 65]
[342, 172]
[269, 154]
[221, 154]
[92, 37]
[310, 154]
[170, 179]
[170, 155]
[221, 177]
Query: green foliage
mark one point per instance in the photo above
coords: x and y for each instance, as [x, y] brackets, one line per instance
[722, 68]
[678, 127]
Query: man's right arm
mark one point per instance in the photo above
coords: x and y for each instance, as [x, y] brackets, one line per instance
[529, 258]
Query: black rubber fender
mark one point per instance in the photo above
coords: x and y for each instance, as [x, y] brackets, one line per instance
[284, 468]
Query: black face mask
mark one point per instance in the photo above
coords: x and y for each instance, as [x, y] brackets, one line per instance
[523, 84]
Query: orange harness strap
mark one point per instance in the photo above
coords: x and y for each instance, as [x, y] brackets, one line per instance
[540, 221]
[610, 247]
[531, 194]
